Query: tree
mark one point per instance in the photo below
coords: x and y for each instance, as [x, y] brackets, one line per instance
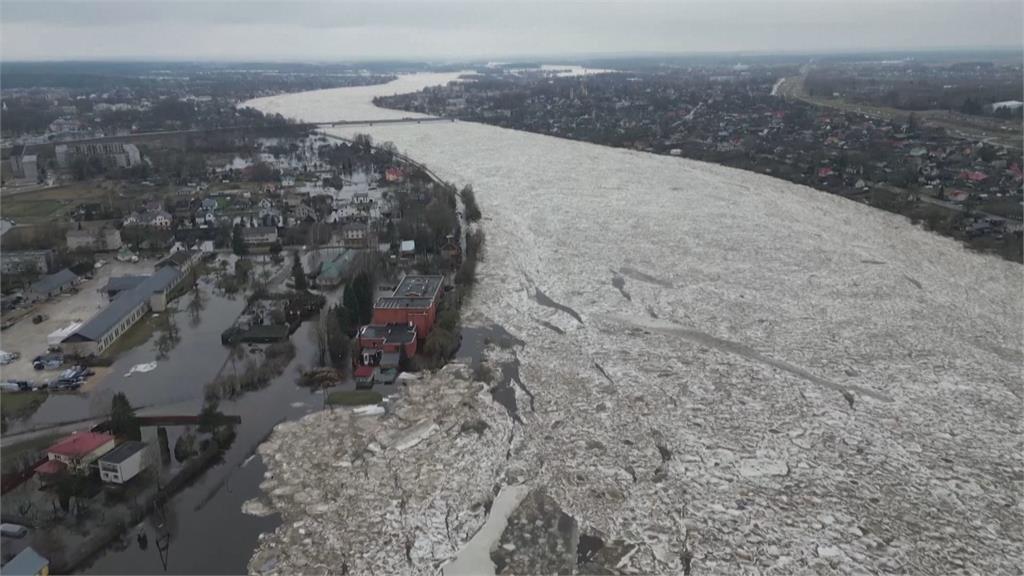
[363, 298]
[209, 417]
[298, 273]
[469, 201]
[122, 418]
[237, 242]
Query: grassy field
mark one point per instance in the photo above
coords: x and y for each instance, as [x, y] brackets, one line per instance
[15, 405]
[38, 206]
[30, 211]
[354, 398]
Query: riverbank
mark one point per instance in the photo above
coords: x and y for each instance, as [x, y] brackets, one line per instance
[694, 422]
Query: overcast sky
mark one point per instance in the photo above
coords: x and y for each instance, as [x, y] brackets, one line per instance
[328, 30]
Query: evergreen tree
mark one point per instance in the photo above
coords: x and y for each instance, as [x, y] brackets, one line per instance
[237, 243]
[122, 418]
[298, 273]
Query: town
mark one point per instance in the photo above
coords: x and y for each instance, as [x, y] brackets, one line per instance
[336, 264]
[958, 174]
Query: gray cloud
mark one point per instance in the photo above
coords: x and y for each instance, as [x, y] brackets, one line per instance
[326, 30]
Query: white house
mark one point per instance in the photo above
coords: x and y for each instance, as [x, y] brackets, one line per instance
[123, 463]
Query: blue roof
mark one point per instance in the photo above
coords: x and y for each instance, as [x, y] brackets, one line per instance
[47, 284]
[28, 562]
[124, 304]
[122, 283]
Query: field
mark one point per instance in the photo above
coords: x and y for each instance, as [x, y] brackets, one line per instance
[38, 206]
[20, 404]
[354, 397]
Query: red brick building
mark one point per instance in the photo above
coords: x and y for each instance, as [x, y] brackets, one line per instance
[376, 339]
[414, 302]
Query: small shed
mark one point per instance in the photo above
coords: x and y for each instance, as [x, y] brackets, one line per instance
[28, 562]
[52, 285]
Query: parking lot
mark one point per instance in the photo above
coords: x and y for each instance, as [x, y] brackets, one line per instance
[29, 339]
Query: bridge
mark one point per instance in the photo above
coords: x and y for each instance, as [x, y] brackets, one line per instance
[384, 121]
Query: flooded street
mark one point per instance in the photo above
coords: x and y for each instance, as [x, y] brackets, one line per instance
[816, 409]
[209, 532]
[177, 380]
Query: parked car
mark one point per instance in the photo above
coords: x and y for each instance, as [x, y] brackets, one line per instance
[48, 361]
[13, 530]
[15, 386]
[8, 357]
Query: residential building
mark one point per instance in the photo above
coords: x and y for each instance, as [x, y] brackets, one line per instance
[116, 153]
[51, 285]
[151, 218]
[354, 234]
[375, 340]
[28, 562]
[76, 452]
[26, 261]
[259, 235]
[124, 462]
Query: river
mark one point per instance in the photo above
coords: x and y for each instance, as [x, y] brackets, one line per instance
[784, 374]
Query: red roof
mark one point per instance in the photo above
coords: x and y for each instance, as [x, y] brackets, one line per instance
[79, 444]
[50, 467]
[363, 371]
[823, 172]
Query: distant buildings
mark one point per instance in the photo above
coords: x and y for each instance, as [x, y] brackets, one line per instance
[26, 261]
[114, 153]
[98, 239]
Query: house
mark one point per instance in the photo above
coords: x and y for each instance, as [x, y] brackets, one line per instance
[259, 235]
[354, 234]
[304, 212]
[28, 562]
[51, 285]
[26, 261]
[363, 375]
[394, 174]
[124, 462]
[374, 340]
[76, 452]
[407, 249]
[150, 218]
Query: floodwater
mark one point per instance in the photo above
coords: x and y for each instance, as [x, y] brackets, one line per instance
[767, 292]
[177, 380]
[209, 534]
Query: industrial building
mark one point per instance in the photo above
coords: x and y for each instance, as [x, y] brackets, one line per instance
[135, 296]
